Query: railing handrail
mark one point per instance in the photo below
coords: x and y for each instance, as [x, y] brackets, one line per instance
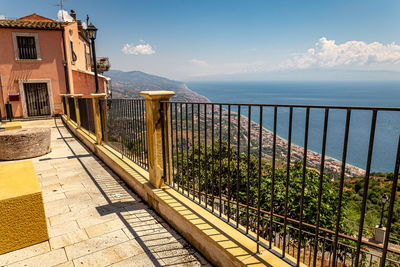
[289, 105]
[131, 98]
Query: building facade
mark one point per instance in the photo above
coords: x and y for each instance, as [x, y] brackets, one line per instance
[40, 59]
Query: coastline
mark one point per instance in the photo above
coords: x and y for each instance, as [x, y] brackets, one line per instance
[297, 152]
[313, 158]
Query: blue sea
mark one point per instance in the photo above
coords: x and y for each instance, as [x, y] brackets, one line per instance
[373, 94]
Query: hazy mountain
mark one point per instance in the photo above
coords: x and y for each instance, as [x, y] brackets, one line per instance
[129, 84]
[312, 74]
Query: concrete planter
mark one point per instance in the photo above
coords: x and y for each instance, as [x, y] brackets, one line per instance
[24, 143]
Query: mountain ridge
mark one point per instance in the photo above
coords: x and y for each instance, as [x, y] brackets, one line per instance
[130, 84]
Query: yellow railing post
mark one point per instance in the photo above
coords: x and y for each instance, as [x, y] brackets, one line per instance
[97, 116]
[67, 106]
[62, 104]
[154, 135]
[77, 112]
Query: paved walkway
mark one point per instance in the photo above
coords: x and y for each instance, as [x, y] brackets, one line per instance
[93, 218]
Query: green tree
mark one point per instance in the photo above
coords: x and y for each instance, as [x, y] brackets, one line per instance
[219, 170]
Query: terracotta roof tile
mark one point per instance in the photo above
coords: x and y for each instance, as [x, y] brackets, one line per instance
[23, 24]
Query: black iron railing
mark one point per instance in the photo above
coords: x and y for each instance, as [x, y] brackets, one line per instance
[72, 111]
[125, 128]
[86, 114]
[280, 194]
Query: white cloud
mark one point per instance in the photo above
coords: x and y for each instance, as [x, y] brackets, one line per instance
[84, 25]
[328, 54]
[198, 62]
[63, 15]
[2, 17]
[140, 49]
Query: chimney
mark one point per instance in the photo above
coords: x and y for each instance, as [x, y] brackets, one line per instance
[73, 14]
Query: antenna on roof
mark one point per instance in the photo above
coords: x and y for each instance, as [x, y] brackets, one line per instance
[61, 5]
[87, 19]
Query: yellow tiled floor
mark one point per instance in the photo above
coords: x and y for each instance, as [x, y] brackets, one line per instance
[93, 218]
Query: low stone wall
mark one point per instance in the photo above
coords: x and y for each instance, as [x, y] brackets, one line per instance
[24, 143]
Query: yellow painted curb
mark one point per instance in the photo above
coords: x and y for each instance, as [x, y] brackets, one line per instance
[13, 125]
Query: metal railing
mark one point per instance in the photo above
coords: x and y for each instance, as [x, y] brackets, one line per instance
[72, 112]
[125, 128]
[279, 194]
[86, 114]
[274, 189]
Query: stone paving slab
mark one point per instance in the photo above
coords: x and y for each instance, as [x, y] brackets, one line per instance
[51, 258]
[93, 218]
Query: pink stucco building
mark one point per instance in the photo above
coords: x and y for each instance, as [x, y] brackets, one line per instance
[40, 59]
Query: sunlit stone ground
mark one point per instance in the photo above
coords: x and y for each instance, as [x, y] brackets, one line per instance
[93, 218]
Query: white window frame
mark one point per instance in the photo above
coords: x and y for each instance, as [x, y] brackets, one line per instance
[16, 51]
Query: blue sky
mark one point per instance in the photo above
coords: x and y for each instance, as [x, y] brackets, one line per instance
[211, 40]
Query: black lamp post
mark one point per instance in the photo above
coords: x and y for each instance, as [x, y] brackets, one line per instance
[92, 31]
[384, 199]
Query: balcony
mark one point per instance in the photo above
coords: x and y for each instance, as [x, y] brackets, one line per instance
[237, 192]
